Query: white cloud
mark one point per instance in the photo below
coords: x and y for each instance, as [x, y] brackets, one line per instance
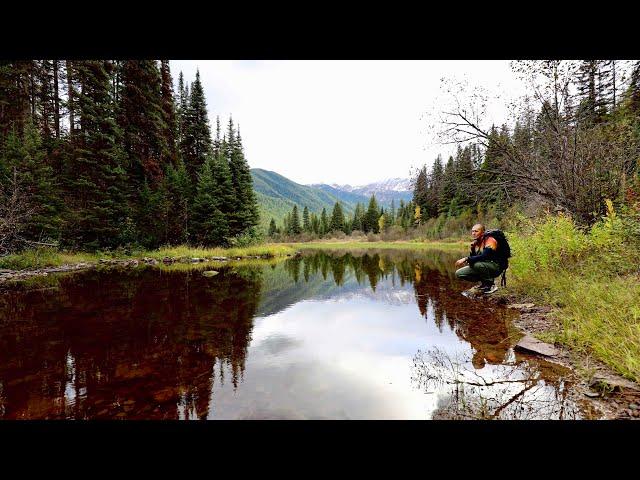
[338, 121]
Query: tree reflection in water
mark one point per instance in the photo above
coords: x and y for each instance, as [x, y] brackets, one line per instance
[517, 389]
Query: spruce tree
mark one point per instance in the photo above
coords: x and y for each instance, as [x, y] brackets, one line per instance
[371, 217]
[180, 193]
[337, 218]
[23, 160]
[295, 221]
[195, 144]
[170, 127]
[306, 225]
[324, 222]
[95, 171]
[209, 225]
[141, 119]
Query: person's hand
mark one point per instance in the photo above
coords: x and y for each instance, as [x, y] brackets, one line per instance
[461, 262]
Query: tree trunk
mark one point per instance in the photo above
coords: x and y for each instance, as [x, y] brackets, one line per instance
[70, 97]
[56, 99]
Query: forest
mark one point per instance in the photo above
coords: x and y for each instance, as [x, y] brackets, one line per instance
[100, 154]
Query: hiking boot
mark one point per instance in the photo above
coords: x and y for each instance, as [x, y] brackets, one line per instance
[487, 288]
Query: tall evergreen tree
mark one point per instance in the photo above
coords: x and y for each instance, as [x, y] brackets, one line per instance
[170, 128]
[295, 221]
[337, 218]
[95, 174]
[245, 215]
[372, 216]
[306, 225]
[209, 223]
[141, 120]
[324, 222]
[196, 141]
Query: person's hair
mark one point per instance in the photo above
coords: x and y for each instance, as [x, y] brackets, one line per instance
[479, 225]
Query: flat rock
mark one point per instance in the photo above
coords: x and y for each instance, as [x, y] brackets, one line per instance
[615, 384]
[532, 344]
[209, 273]
[521, 306]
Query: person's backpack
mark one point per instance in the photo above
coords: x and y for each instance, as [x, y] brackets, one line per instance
[503, 253]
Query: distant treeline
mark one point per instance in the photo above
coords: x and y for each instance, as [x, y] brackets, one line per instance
[103, 153]
[575, 144]
[373, 219]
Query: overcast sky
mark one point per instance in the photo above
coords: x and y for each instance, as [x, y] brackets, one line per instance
[343, 121]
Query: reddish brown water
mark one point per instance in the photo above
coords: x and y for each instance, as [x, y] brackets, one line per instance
[325, 336]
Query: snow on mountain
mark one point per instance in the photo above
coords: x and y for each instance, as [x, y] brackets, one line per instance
[389, 185]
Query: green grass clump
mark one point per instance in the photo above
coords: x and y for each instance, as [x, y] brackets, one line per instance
[591, 278]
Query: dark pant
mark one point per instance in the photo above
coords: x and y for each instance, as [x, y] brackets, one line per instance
[481, 271]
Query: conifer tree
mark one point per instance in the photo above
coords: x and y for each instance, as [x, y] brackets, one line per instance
[141, 120]
[170, 128]
[196, 141]
[324, 222]
[371, 217]
[295, 221]
[95, 175]
[337, 218]
[209, 223]
[23, 160]
[272, 228]
[180, 193]
[306, 225]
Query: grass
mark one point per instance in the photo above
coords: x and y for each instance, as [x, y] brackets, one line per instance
[47, 257]
[591, 280]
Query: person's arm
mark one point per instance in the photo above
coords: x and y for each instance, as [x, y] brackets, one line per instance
[488, 253]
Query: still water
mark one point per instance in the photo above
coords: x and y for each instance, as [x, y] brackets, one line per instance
[375, 335]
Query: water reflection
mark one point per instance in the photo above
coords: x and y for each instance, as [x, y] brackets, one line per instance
[317, 336]
[516, 389]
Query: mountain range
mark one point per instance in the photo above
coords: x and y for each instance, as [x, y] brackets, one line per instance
[277, 195]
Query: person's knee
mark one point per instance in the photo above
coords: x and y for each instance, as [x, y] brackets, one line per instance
[462, 273]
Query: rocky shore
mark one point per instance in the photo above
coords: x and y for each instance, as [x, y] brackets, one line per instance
[610, 395]
[7, 275]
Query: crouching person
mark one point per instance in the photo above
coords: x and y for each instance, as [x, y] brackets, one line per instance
[486, 260]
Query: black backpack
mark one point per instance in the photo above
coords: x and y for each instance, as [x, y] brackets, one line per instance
[503, 253]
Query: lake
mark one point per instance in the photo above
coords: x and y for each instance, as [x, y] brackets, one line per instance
[340, 335]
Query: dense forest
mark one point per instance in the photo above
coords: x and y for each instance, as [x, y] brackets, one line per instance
[372, 218]
[99, 154]
[574, 145]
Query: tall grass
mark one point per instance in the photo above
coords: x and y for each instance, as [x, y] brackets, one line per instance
[590, 276]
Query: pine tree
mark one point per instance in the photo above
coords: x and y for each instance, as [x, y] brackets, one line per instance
[295, 221]
[180, 197]
[95, 171]
[170, 128]
[324, 222]
[209, 223]
[337, 218]
[141, 119]
[306, 225]
[371, 217]
[24, 157]
[196, 140]
[246, 215]
[420, 190]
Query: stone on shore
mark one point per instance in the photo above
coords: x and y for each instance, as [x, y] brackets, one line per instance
[209, 273]
[534, 345]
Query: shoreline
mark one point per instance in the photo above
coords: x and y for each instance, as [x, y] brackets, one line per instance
[610, 394]
[594, 382]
